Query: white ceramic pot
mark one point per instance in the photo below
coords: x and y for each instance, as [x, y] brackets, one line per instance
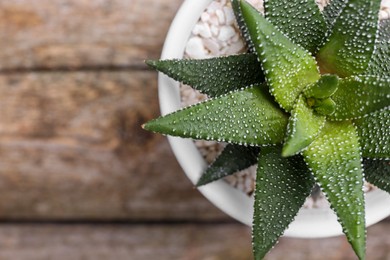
[310, 223]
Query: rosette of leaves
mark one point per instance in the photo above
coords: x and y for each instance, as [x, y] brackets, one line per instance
[309, 104]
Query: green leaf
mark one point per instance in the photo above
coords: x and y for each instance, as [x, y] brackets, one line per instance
[379, 64]
[241, 24]
[245, 117]
[215, 76]
[288, 68]
[332, 11]
[301, 21]
[334, 158]
[374, 134]
[325, 87]
[303, 127]
[282, 185]
[350, 45]
[377, 172]
[233, 158]
[357, 96]
[318, 94]
[325, 106]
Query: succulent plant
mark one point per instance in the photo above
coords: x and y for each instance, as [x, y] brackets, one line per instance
[309, 103]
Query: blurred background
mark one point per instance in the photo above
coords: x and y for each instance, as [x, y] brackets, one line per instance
[79, 178]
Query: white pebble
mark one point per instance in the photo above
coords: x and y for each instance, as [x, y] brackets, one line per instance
[205, 17]
[221, 16]
[213, 7]
[214, 20]
[235, 48]
[229, 15]
[214, 30]
[204, 30]
[383, 15]
[224, 44]
[236, 37]
[385, 4]
[195, 30]
[212, 46]
[322, 4]
[195, 48]
[226, 33]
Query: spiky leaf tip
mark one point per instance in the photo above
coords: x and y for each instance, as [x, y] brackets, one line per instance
[245, 117]
[334, 158]
[303, 127]
[233, 158]
[214, 76]
[282, 185]
[288, 68]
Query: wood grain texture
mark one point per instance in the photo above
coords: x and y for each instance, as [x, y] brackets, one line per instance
[167, 242]
[127, 242]
[82, 33]
[72, 147]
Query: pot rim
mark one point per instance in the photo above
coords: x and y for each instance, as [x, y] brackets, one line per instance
[309, 223]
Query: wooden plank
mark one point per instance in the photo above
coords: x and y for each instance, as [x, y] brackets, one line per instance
[82, 33]
[186, 242]
[175, 241]
[72, 147]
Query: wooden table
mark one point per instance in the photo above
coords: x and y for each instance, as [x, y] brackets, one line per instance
[79, 178]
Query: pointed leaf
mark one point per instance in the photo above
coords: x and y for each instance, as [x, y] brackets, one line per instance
[282, 185]
[288, 68]
[325, 107]
[233, 158]
[244, 117]
[374, 134]
[351, 43]
[377, 172]
[241, 24]
[303, 127]
[301, 21]
[333, 10]
[215, 76]
[325, 87]
[334, 158]
[357, 96]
